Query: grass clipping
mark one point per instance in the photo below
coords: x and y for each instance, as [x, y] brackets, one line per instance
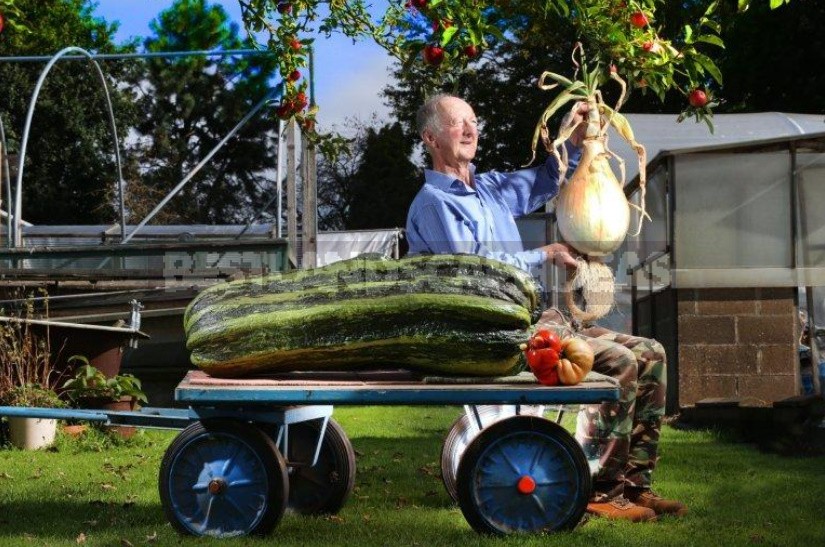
[595, 282]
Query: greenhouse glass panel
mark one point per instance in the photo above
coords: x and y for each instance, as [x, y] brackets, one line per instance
[659, 273]
[653, 237]
[619, 318]
[811, 184]
[732, 210]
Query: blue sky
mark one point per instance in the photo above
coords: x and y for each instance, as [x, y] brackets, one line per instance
[348, 77]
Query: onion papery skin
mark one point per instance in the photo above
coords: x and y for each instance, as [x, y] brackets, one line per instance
[592, 211]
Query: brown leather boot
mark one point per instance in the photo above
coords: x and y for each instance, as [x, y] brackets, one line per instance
[619, 507]
[652, 500]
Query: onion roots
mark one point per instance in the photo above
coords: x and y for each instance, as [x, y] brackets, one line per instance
[595, 282]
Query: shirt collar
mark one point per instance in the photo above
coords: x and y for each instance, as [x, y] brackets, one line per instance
[448, 183]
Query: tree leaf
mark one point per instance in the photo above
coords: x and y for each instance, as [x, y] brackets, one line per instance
[710, 66]
[711, 39]
[711, 24]
[496, 32]
[688, 34]
[447, 35]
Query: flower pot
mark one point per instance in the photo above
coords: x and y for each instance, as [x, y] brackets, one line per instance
[31, 433]
[126, 403]
[75, 431]
[103, 349]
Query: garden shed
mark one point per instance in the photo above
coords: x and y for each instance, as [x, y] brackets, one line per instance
[735, 248]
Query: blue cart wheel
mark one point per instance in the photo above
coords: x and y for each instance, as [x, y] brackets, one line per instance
[463, 430]
[223, 478]
[523, 474]
[324, 487]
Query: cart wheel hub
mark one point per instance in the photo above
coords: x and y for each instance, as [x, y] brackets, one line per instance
[217, 486]
[526, 485]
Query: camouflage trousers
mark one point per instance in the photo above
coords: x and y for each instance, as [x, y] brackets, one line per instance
[623, 436]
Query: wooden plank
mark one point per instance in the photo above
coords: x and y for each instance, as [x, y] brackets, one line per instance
[199, 388]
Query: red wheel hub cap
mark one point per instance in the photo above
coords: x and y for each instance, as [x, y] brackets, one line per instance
[526, 485]
[217, 486]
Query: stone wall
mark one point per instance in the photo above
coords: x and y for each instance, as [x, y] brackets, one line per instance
[737, 344]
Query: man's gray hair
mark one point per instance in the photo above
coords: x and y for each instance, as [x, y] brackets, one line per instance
[428, 116]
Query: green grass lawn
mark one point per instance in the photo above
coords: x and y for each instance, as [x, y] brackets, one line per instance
[102, 492]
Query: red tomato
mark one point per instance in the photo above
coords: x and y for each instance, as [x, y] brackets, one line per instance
[548, 376]
[545, 338]
[538, 342]
[549, 357]
[544, 363]
[533, 359]
[554, 341]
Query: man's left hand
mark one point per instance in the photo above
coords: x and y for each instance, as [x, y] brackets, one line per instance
[578, 117]
[561, 254]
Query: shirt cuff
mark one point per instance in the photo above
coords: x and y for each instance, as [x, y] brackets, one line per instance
[574, 154]
[533, 258]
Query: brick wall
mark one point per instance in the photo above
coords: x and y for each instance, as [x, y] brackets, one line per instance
[737, 344]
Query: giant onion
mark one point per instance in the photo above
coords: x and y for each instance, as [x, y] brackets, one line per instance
[592, 211]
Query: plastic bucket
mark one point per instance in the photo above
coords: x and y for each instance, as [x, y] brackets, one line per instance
[31, 433]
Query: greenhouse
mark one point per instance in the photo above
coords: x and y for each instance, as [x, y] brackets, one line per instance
[735, 250]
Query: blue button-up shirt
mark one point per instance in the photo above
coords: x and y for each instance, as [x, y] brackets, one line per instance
[447, 216]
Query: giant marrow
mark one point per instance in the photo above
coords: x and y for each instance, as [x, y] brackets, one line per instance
[450, 314]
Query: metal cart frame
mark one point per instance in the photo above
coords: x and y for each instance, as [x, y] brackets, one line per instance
[251, 448]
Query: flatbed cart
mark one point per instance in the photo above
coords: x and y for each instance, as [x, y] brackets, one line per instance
[251, 448]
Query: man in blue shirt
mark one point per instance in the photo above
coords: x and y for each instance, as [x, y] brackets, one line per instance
[460, 211]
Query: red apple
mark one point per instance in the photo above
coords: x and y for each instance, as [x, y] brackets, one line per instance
[433, 54]
[638, 19]
[283, 110]
[697, 98]
[2, 22]
[295, 75]
[471, 51]
[419, 3]
[284, 7]
[300, 101]
[296, 44]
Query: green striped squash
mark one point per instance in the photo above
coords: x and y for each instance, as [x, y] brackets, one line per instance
[448, 314]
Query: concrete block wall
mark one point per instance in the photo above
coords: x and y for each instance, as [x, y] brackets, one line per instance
[737, 344]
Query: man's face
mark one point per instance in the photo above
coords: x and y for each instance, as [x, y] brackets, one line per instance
[457, 139]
